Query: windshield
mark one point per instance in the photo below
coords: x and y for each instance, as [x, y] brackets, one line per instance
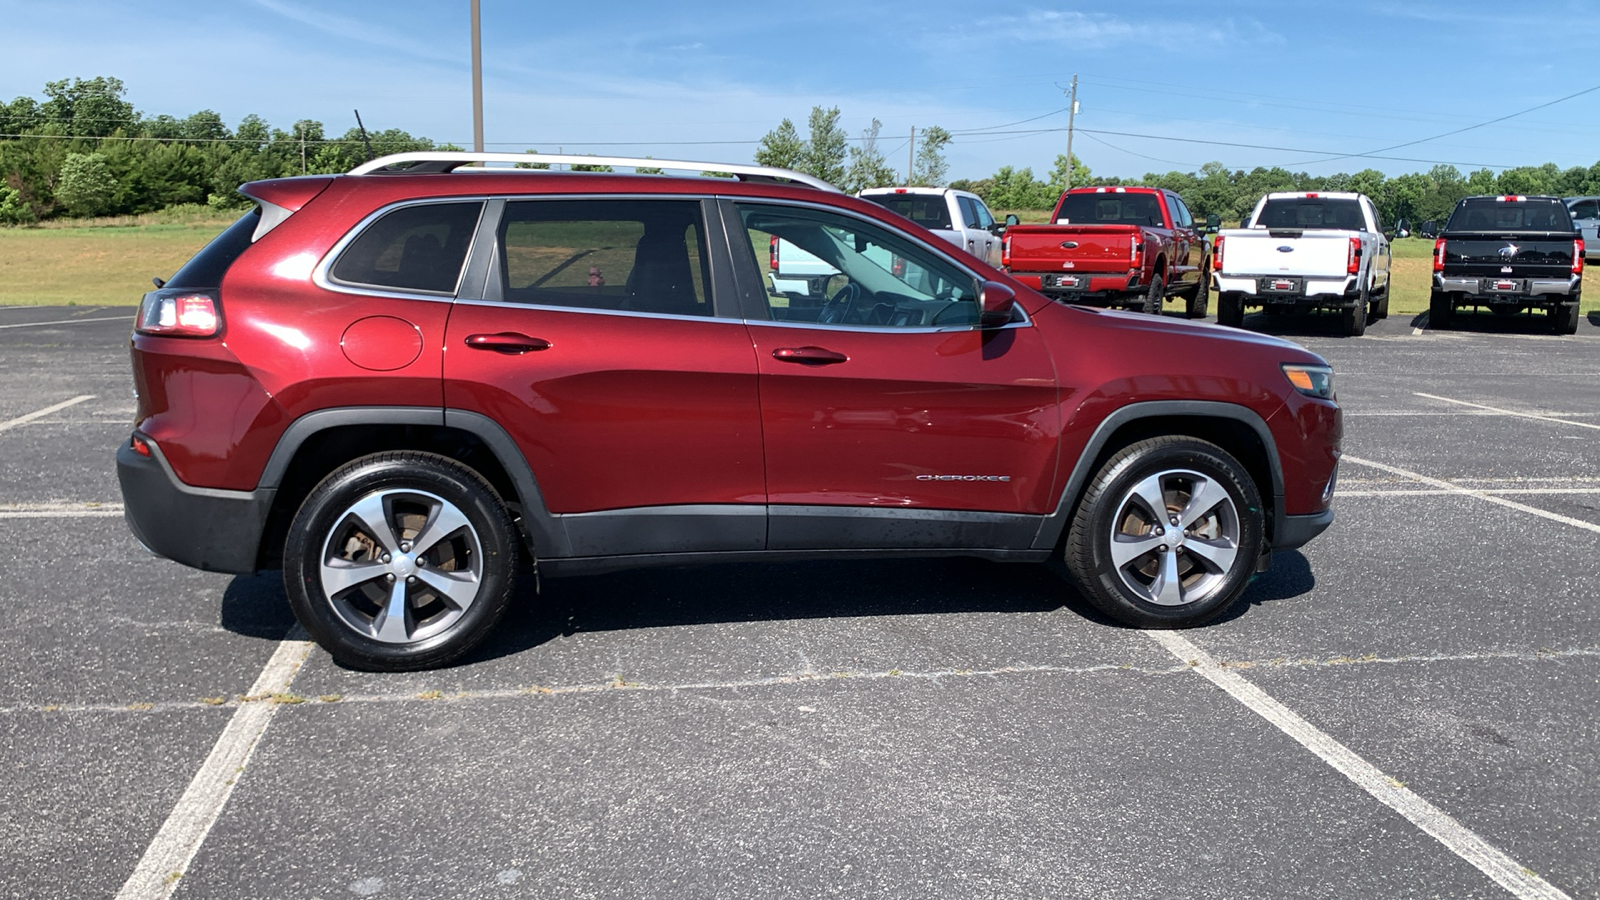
[929, 212]
[1494, 214]
[1312, 212]
[1109, 209]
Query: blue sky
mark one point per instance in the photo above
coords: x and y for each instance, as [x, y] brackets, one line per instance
[1311, 80]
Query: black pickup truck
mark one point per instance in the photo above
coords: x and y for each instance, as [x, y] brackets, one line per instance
[1509, 254]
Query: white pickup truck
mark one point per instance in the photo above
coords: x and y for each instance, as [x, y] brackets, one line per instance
[1304, 251]
[957, 216]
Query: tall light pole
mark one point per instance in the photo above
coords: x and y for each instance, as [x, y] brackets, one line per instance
[477, 81]
[1072, 115]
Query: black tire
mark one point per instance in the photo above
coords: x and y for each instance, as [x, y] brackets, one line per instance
[1154, 296]
[1230, 309]
[1111, 545]
[1380, 307]
[1354, 317]
[344, 578]
[1564, 319]
[1439, 310]
[1201, 298]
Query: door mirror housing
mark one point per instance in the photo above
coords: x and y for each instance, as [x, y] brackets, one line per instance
[1213, 222]
[998, 302]
[1011, 219]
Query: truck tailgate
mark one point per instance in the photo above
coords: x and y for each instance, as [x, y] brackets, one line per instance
[1089, 248]
[1528, 255]
[1260, 252]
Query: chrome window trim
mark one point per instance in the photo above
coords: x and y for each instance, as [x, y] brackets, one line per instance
[507, 304]
[322, 275]
[1027, 320]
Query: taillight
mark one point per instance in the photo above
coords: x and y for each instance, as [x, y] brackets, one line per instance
[897, 266]
[178, 315]
[1353, 264]
[1577, 257]
[772, 254]
[1438, 255]
[1216, 254]
[1005, 251]
[1136, 255]
[139, 445]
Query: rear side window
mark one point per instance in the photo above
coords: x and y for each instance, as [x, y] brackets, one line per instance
[931, 213]
[207, 267]
[1343, 214]
[630, 255]
[1491, 214]
[1585, 209]
[414, 248]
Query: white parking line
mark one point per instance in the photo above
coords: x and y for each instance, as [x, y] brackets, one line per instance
[127, 318]
[58, 510]
[1511, 412]
[1485, 496]
[1438, 824]
[1426, 492]
[180, 837]
[23, 420]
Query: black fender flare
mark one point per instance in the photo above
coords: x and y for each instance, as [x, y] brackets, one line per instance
[1055, 524]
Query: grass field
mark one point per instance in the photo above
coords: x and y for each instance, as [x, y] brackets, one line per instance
[113, 260]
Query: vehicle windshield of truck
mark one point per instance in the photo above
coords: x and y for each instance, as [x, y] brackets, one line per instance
[1109, 209]
[1492, 214]
[1312, 212]
[929, 212]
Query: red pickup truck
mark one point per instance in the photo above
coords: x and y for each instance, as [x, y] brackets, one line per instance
[1115, 246]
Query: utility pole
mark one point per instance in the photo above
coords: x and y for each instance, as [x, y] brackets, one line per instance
[911, 156]
[1072, 114]
[477, 80]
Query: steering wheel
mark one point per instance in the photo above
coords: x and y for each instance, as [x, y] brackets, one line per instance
[839, 307]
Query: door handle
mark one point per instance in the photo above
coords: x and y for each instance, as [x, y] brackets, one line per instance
[506, 342]
[810, 356]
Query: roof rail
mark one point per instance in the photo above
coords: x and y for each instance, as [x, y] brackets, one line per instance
[440, 161]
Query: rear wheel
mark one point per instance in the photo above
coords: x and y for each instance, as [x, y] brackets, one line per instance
[1230, 309]
[1564, 319]
[1354, 316]
[1167, 534]
[400, 561]
[1439, 310]
[1156, 294]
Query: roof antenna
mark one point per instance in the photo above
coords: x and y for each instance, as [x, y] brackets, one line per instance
[364, 138]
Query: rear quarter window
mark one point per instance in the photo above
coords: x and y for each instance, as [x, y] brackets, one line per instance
[413, 248]
[206, 268]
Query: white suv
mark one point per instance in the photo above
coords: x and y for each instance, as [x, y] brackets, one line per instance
[957, 216]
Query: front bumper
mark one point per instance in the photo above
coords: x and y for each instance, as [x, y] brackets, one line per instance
[1297, 531]
[214, 530]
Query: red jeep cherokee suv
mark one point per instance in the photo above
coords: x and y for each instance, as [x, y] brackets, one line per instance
[396, 383]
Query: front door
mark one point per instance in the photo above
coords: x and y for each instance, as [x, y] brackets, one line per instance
[890, 419]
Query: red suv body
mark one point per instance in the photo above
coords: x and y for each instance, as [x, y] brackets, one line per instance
[395, 384]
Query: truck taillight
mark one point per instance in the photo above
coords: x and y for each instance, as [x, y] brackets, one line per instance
[1577, 257]
[1353, 263]
[1005, 251]
[178, 314]
[1216, 255]
[772, 254]
[1438, 255]
[1136, 255]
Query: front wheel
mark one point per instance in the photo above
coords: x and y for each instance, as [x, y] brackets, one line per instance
[1167, 534]
[400, 561]
[1201, 298]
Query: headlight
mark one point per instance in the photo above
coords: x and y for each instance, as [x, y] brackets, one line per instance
[1313, 381]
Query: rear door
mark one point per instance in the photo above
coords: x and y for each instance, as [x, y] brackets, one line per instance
[890, 419]
[598, 341]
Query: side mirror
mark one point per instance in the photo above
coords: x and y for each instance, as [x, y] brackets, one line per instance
[1011, 219]
[998, 300]
[1213, 222]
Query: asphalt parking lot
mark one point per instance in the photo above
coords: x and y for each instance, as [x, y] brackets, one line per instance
[1410, 707]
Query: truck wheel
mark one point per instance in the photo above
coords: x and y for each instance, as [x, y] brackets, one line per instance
[1439, 311]
[1156, 294]
[1230, 309]
[1381, 306]
[1167, 534]
[1564, 319]
[1355, 317]
[1201, 298]
[400, 561]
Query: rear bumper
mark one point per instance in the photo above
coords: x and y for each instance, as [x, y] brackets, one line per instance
[214, 530]
[1549, 291]
[1335, 289]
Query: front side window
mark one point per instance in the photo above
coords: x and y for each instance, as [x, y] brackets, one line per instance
[985, 220]
[850, 272]
[1586, 209]
[626, 255]
[413, 248]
